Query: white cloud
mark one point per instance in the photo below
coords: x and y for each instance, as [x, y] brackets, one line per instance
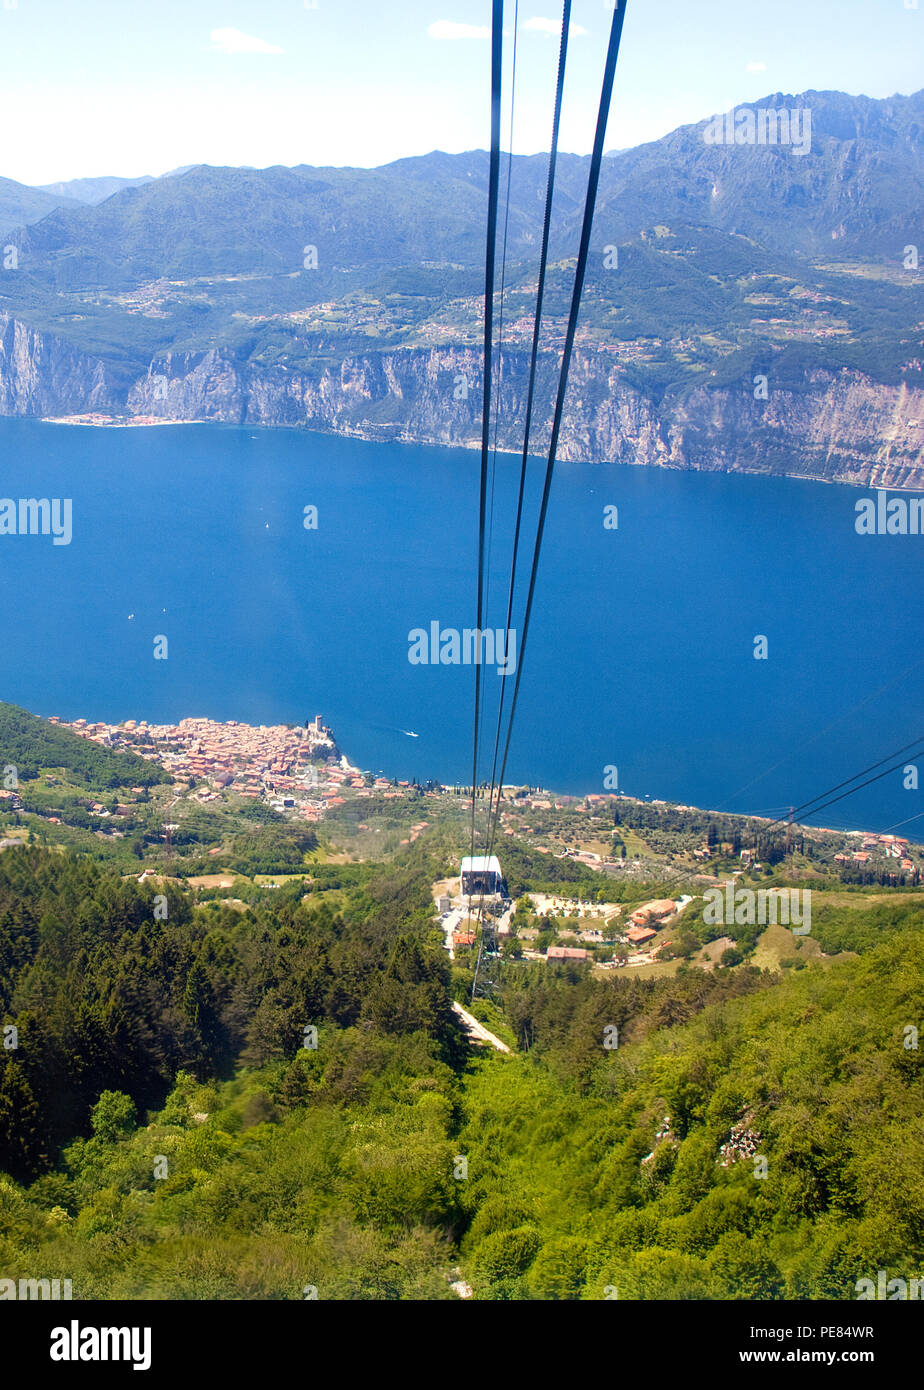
[448, 29]
[552, 26]
[756, 67]
[234, 41]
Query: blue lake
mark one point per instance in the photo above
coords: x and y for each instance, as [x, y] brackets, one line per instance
[640, 650]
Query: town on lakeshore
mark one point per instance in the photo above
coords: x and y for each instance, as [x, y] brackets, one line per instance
[292, 768]
[113, 421]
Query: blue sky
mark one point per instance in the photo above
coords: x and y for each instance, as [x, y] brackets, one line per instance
[142, 86]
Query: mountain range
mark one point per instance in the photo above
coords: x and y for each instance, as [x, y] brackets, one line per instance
[195, 295]
[91, 190]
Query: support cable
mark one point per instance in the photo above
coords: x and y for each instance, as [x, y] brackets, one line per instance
[534, 355]
[593, 180]
[497, 37]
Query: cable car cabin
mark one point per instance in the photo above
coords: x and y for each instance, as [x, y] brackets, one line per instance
[481, 876]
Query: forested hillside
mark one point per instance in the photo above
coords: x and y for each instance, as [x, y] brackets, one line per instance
[617, 1175]
[169, 1129]
[110, 983]
[30, 744]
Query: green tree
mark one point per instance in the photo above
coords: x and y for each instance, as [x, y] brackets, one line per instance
[557, 1272]
[113, 1116]
[506, 1254]
[22, 1133]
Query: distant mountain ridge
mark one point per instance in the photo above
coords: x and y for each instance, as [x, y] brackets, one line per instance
[21, 204]
[856, 191]
[92, 190]
[97, 190]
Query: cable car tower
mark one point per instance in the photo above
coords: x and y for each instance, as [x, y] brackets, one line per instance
[485, 892]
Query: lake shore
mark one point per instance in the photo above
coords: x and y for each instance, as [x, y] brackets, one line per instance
[114, 421]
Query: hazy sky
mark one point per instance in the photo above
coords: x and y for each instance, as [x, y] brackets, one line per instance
[90, 87]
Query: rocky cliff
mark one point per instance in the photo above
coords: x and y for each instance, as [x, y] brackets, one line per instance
[837, 426]
[41, 374]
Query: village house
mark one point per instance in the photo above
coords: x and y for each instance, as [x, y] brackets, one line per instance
[653, 912]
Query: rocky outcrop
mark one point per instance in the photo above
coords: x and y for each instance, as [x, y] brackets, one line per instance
[839, 426]
[41, 374]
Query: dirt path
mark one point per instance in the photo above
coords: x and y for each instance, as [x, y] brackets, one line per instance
[478, 1030]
